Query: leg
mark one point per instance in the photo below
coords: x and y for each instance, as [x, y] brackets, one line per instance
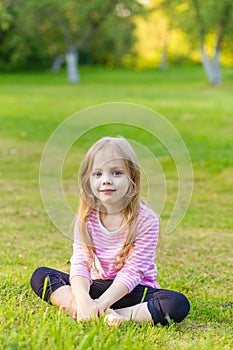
[167, 306]
[45, 282]
[135, 313]
[62, 297]
[132, 307]
[163, 306]
[53, 286]
[160, 305]
[57, 279]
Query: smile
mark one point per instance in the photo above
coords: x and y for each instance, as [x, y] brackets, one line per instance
[107, 190]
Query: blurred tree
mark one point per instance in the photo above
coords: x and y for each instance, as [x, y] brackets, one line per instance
[61, 29]
[203, 21]
[5, 16]
[114, 40]
[22, 43]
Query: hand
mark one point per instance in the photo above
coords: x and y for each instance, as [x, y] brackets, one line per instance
[101, 307]
[86, 308]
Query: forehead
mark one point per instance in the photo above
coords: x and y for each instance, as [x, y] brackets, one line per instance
[107, 159]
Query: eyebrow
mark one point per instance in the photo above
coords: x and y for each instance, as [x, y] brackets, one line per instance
[113, 168]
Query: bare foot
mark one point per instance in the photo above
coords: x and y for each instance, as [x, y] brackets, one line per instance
[114, 319]
[68, 310]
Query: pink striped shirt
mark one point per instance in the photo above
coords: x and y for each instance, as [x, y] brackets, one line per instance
[139, 267]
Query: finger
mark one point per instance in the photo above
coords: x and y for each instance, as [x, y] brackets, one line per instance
[111, 320]
[81, 318]
[100, 312]
[61, 308]
[74, 314]
[64, 308]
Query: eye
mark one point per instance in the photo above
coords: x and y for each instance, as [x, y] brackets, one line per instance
[97, 174]
[117, 173]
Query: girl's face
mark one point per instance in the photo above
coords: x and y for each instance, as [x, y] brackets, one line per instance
[109, 180]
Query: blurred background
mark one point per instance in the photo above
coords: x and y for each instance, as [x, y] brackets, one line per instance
[142, 34]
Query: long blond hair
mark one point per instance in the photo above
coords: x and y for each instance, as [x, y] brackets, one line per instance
[88, 202]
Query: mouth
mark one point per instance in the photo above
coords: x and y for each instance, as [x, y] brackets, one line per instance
[107, 190]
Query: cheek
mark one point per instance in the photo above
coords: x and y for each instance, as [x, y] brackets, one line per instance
[94, 184]
[124, 184]
[91, 184]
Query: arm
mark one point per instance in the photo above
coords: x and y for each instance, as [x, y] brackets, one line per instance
[85, 307]
[80, 286]
[136, 265]
[116, 291]
[142, 255]
[80, 280]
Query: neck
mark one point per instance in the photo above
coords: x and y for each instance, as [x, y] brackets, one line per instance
[112, 209]
[112, 221]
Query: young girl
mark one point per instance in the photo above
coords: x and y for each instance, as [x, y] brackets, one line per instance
[115, 238]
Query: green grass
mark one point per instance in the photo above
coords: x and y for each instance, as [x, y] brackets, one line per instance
[195, 259]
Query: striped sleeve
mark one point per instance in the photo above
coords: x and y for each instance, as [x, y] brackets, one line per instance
[141, 258]
[78, 264]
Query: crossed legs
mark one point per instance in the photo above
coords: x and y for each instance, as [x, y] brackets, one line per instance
[159, 305]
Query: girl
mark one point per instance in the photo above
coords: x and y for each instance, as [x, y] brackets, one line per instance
[115, 237]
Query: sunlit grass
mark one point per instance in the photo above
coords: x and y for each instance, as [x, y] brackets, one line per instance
[195, 259]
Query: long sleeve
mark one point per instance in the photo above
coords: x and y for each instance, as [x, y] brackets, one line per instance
[139, 267]
[78, 264]
[141, 259]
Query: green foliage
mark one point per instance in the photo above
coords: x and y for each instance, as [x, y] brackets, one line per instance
[34, 33]
[109, 43]
[6, 17]
[195, 259]
[198, 19]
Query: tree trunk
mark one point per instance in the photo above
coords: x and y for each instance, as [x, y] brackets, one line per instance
[212, 67]
[72, 66]
[57, 64]
[163, 60]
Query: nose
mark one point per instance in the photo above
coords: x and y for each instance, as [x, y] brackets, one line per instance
[106, 180]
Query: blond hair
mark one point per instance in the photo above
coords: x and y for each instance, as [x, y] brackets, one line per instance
[88, 202]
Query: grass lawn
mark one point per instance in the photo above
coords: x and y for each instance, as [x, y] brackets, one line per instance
[195, 259]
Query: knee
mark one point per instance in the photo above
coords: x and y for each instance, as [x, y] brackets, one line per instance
[167, 306]
[38, 278]
[179, 307]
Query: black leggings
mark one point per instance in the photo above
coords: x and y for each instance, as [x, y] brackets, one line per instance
[164, 305]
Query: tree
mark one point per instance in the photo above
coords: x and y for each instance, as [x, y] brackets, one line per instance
[219, 20]
[5, 16]
[64, 28]
[21, 42]
[203, 21]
